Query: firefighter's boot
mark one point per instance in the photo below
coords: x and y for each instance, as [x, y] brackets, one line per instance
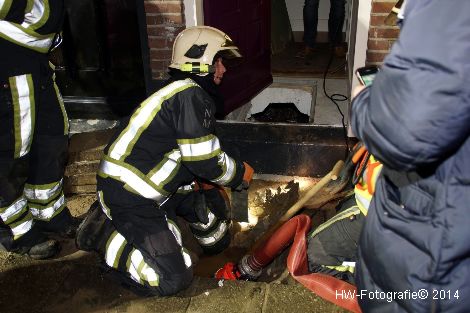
[36, 245]
[94, 230]
[63, 224]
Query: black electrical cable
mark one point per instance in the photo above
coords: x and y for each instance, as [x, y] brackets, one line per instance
[336, 97]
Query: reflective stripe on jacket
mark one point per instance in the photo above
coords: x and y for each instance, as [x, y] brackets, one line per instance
[167, 141]
[365, 188]
[31, 23]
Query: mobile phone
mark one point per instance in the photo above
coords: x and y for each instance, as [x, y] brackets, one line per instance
[366, 74]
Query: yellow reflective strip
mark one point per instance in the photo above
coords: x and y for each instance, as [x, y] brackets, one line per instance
[229, 169]
[354, 210]
[176, 231]
[341, 268]
[47, 213]
[29, 6]
[196, 140]
[26, 218]
[363, 199]
[44, 17]
[15, 215]
[114, 247]
[119, 254]
[142, 118]
[25, 37]
[201, 157]
[107, 210]
[32, 108]
[214, 237]
[16, 116]
[22, 92]
[42, 193]
[62, 108]
[21, 229]
[5, 8]
[166, 169]
[115, 164]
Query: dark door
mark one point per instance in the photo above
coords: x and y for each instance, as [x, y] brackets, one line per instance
[247, 22]
[99, 64]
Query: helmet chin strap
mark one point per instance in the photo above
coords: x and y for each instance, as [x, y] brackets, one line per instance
[197, 68]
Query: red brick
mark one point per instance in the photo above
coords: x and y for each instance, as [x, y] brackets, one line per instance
[169, 32]
[386, 33]
[159, 43]
[382, 7]
[163, 7]
[376, 56]
[374, 44]
[151, 19]
[160, 54]
[169, 19]
[377, 20]
[158, 65]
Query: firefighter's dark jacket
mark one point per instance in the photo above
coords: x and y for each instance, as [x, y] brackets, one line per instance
[416, 120]
[169, 141]
[31, 23]
[27, 32]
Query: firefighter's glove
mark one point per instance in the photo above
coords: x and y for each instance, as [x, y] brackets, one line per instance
[200, 207]
[247, 177]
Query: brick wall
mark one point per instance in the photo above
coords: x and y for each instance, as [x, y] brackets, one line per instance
[165, 19]
[381, 36]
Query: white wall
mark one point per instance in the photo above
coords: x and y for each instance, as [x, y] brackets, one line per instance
[193, 12]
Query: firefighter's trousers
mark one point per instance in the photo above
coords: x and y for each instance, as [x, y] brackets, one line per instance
[332, 245]
[143, 247]
[33, 144]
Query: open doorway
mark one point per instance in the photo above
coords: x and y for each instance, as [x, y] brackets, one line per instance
[250, 22]
[326, 68]
[287, 31]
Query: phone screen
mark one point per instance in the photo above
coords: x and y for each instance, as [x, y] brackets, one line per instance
[367, 79]
[366, 74]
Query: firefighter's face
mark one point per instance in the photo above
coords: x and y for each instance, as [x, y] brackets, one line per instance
[219, 71]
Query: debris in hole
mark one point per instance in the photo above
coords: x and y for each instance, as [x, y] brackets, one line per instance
[280, 113]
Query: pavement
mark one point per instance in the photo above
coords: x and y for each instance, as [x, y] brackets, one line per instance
[75, 284]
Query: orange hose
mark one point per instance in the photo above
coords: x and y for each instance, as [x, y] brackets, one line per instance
[329, 288]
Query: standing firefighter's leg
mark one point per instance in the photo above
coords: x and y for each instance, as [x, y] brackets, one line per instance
[17, 119]
[44, 188]
[332, 245]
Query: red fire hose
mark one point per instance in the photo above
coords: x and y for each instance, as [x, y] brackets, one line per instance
[294, 230]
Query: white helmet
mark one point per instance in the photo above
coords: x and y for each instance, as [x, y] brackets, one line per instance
[195, 47]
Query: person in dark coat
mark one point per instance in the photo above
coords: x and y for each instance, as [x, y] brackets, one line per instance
[414, 250]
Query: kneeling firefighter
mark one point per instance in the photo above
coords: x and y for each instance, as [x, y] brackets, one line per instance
[165, 161]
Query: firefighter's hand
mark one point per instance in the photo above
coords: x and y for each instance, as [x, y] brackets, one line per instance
[247, 177]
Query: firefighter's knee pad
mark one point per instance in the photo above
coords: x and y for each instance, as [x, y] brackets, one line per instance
[174, 276]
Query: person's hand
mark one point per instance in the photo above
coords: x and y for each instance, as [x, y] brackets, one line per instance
[247, 177]
[357, 90]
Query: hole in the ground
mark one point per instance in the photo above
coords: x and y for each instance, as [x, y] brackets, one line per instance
[281, 113]
[267, 201]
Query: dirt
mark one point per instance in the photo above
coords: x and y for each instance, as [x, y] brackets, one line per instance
[75, 282]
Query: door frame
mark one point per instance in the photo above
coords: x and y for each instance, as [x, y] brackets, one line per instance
[358, 35]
